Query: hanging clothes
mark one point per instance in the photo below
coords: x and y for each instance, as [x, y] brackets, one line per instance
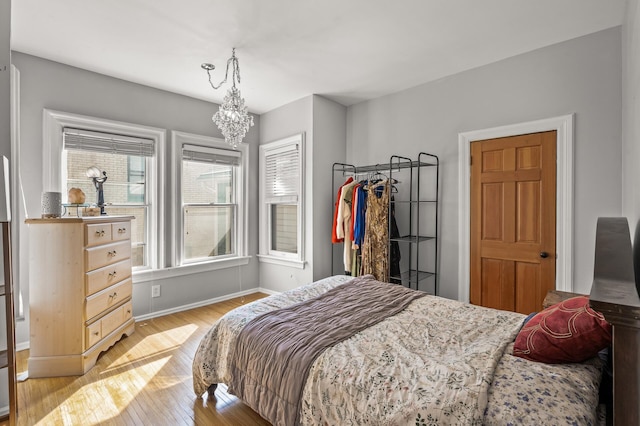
[337, 219]
[354, 210]
[344, 226]
[355, 248]
[375, 259]
[360, 215]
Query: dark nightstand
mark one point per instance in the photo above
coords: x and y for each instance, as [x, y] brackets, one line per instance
[557, 296]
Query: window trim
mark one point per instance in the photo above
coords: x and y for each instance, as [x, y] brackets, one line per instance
[53, 124]
[268, 255]
[178, 139]
[18, 207]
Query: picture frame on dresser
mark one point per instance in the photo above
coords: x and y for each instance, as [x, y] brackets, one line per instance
[80, 290]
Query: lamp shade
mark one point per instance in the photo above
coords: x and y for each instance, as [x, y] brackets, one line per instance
[5, 204]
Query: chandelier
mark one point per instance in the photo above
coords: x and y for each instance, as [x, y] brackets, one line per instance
[232, 118]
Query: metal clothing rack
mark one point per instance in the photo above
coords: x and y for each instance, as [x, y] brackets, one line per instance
[418, 212]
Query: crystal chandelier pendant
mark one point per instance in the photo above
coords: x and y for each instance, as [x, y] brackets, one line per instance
[233, 118]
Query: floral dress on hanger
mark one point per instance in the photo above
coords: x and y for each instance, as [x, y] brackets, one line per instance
[375, 259]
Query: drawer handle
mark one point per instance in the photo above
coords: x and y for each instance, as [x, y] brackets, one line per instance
[112, 274]
[95, 333]
[100, 233]
[128, 311]
[111, 253]
[113, 296]
[122, 230]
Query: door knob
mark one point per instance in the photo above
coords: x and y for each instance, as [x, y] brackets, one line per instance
[544, 254]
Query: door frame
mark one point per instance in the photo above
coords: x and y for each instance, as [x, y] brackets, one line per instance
[563, 125]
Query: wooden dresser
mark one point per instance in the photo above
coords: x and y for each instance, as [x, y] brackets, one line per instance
[79, 291]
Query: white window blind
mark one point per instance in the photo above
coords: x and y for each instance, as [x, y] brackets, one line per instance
[282, 201]
[282, 174]
[205, 154]
[107, 143]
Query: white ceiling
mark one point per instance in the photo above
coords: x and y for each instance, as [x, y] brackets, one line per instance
[346, 50]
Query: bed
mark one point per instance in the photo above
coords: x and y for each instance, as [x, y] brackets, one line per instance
[434, 361]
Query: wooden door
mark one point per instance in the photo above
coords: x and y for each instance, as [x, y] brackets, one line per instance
[513, 221]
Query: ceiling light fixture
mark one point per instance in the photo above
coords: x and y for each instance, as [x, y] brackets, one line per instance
[232, 118]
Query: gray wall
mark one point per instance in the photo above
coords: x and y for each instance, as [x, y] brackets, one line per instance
[46, 84]
[287, 120]
[5, 82]
[329, 146]
[5, 149]
[581, 76]
[631, 112]
[324, 124]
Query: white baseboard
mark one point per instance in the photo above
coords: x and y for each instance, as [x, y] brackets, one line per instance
[269, 292]
[203, 303]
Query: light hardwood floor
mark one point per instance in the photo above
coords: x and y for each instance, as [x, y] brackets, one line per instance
[145, 379]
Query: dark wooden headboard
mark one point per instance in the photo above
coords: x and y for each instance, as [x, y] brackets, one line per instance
[614, 293]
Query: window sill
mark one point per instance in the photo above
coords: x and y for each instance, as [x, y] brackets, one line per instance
[294, 263]
[193, 268]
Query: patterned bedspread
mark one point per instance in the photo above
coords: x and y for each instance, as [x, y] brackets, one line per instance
[434, 363]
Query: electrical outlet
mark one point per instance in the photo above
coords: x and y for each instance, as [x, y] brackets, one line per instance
[155, 290]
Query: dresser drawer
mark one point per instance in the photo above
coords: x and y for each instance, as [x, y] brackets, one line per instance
[97, 233]
[107, 298]
[105, 325]
[127, 311]
[112, 321]
[97, 257]
[121, 231]
[93, 334]
[108, 275]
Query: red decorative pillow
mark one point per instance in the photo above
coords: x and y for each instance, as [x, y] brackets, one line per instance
[569, 331]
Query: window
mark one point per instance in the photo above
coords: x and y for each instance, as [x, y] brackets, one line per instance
[209, 208]
[125, 161]
[136, 167]
[284, 228]
[133, 157]
[281, 204]
[210, 193]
